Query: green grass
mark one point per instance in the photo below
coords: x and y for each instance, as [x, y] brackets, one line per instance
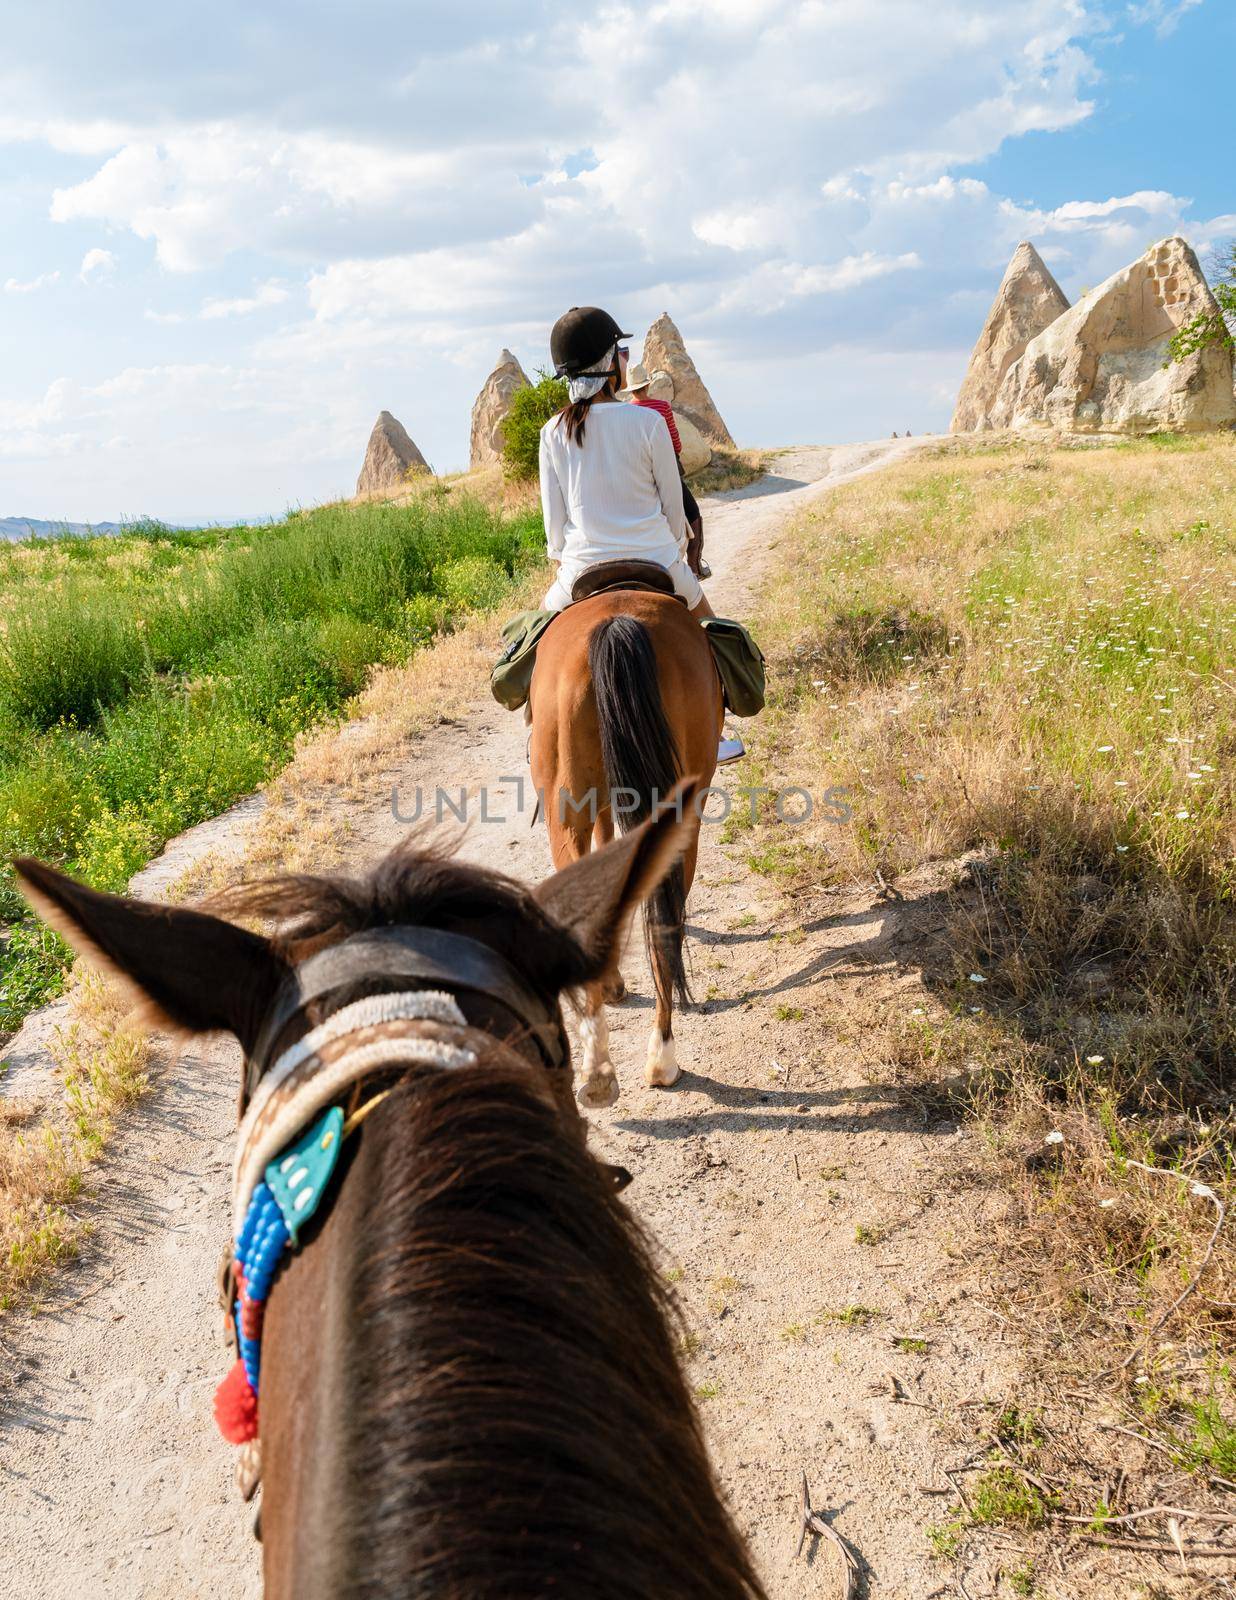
[945, 1537]
[149, 680]
[852, 1316]
[1002, 1496]
[1206, 1439]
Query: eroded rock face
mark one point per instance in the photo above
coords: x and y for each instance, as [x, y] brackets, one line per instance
[390, 459]
[1103, 366]
[1028, 300]
[492, 405]
[664, 351]
[661, 386]
[696, 450]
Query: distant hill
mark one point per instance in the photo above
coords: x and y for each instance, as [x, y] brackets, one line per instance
[35, 528]
[12, 528]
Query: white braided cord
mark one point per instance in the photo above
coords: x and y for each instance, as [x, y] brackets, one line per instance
[287, 1099]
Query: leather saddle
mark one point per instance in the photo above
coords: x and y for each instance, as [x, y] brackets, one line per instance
[604, 576]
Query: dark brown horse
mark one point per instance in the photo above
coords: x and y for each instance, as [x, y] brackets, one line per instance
[469, 1389]
[625, 701]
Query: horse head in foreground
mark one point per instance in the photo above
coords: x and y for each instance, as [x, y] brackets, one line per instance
[464, 1357]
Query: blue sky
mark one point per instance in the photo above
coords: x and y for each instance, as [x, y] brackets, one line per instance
[230, 239]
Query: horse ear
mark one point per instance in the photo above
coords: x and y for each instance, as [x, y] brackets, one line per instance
[594, 899]
[187, 969]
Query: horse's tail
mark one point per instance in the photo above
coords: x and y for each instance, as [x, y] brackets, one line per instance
[640, 755]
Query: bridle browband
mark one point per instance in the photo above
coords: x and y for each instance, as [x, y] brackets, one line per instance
[382, 958]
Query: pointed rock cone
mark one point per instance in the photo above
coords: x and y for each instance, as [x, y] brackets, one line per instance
[391, 458]
[1028, 300]
[1104, 367]
[664, 352]
[492, 405]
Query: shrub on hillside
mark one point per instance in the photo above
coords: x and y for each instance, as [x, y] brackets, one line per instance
[531, 408]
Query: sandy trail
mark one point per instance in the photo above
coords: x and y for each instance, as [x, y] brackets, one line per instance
[754, 1175]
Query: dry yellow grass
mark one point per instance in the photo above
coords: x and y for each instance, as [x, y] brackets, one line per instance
[1021, 655]
[46, 1151]
[729, 469]
[490, 485]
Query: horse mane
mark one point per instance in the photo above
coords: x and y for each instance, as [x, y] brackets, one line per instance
[419, 884]
[531, 1432]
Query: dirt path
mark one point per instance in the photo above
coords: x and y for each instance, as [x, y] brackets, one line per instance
[754, 1175]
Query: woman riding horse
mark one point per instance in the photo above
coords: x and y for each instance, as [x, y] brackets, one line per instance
[625, 699]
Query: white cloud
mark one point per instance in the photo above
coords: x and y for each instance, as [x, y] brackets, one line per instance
[96, 263]
[31, 285]
[201, 194]
[272, 293]
[1163, 15]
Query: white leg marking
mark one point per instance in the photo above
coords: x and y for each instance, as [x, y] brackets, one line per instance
[600, 1086]
[662, 1070]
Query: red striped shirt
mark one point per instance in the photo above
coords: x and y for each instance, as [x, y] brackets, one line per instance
[664, 407]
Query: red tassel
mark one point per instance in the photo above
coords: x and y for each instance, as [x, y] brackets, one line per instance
[236, 1407]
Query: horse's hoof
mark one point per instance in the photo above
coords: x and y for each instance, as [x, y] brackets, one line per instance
[598, 1092]
[615, 991]
[662, 1071]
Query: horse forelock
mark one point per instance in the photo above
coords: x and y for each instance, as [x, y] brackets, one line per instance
[418, 884]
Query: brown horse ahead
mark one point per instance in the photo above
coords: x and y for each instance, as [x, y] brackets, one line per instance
[625, 701]
[469, 1389]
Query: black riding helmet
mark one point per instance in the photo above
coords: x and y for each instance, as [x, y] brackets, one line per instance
[581, 338]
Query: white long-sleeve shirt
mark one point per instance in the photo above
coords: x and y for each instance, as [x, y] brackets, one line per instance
[617, 494]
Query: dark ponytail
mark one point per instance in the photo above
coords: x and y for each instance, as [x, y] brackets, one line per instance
[575, 415]
[575, 412]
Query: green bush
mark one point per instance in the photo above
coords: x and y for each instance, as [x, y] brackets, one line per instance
[531, 409]
[62, 661]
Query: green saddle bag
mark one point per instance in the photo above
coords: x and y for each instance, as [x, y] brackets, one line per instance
[511, 678]
[740, 662]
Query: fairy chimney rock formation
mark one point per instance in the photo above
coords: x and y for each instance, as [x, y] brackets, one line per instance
[390, 459]
[661, 387]
[696, 450]
[1028, 300]
[492, 405]
[1103, 366]
[664, 351]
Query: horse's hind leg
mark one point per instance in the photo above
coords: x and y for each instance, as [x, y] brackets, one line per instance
[662, 1069]
[569, 840]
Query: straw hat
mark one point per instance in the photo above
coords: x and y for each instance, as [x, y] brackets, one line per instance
[637, 378]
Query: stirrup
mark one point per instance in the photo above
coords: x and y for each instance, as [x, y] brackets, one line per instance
[730, 750]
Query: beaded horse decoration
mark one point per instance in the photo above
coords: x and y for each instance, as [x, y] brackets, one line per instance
[286, 1154]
